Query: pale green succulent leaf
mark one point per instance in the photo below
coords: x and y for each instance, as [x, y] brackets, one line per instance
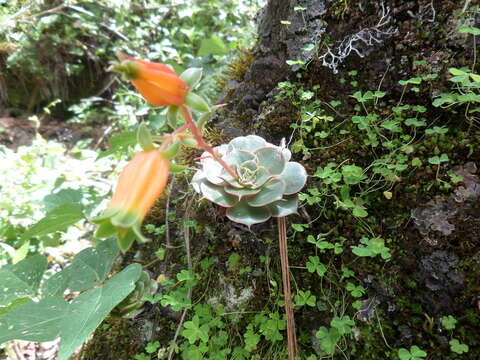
[284, 207]
[217, 195]
[197, 179]
[294, 176]
[192, 76]
[287, 154]
[212, 170]
[272, 191]
[248, 143]
[237, 157]
[244, 214]
[262, 177]
[172, 116]
[251, 165]
[231, 181]
[271, 158]
[241, 193]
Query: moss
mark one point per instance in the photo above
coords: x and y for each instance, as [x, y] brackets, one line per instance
[114, 339]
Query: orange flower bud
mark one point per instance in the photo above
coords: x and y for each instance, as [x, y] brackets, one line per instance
[157, 83]
[140, 184]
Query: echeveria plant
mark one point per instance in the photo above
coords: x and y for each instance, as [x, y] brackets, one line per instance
[266, 184]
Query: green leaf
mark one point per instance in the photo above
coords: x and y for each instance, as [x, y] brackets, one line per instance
[91, 266]
[271, 159]
[295, 176]
[328, 339]
[64, 196]
[342, 324]
[217, 194]
[213, 45]
[58, 219]
[470, 30]
[247, 215]
[417, 352]
[193, 331]
[34, 321]
[119, 143]
[391, 125]
[22, 279]
[314, 265]
[192, 76]
[284, 207]
[449, 322]
[352, 174]
[458, 348]
[196, 102]
[404, 354]
[359, 211]
[271, 192]
[308, 47]
[89, 309]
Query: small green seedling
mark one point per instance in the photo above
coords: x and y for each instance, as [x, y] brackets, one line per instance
[458, 348]
[415, 353]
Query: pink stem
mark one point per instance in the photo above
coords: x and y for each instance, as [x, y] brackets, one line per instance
[199, 138]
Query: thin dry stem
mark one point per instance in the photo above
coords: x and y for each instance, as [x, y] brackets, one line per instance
[291, 334]
[186, 238]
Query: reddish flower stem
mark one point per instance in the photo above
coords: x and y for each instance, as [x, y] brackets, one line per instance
[199, 138]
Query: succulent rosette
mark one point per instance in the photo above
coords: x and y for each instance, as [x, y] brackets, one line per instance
[132, 305]
[266, 185]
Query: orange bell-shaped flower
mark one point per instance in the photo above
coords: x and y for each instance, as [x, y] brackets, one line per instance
[157, 83]
[141, 182]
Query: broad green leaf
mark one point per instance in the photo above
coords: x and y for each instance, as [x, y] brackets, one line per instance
[22, 279]
[58, 219]
[34, 321]
[213, 45]
[56, 284]
[64, 196]
[13, 304]
[89, 309]
[120, 142]
[91, 266]
[21, 252]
